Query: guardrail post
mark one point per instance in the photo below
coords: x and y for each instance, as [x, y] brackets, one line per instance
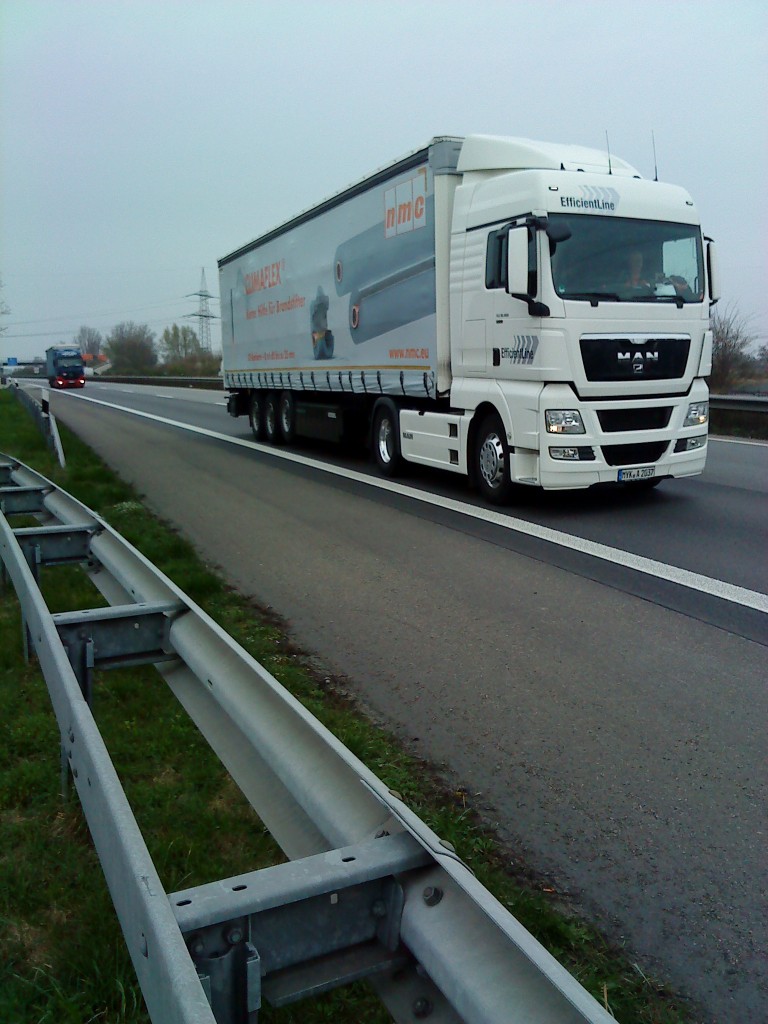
[301, 928]
[116, 637]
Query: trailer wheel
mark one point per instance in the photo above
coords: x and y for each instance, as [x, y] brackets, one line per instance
[492, 459]
[386, 438]
[272, 419]
[287, 416]
[256, 415]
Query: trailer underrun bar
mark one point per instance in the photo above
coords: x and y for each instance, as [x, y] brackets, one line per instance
[369, 891]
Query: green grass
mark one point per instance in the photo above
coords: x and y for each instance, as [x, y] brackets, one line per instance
[62, 956]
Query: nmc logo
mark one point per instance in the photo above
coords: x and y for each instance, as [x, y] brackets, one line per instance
[405, 205]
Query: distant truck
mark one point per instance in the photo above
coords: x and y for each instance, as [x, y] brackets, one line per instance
[64, 367]
[514, 311]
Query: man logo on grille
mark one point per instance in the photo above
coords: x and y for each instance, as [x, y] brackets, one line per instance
[638, 360]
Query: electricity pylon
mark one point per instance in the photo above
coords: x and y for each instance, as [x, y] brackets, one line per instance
[203, 314]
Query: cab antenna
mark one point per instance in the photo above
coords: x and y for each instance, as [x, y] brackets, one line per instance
[655, 164]
[608, 147]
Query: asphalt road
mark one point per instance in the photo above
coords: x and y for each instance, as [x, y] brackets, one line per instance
[606, 714]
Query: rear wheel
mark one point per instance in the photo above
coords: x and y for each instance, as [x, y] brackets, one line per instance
[386, 439]
[492, 461]
[272, 419]
[287, 417]
[256, 415]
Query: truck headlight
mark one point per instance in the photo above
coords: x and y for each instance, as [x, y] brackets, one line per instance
[698, 413]
[564, 421]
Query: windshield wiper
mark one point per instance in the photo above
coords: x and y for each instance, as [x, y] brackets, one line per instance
[677, 299]
[592, 297]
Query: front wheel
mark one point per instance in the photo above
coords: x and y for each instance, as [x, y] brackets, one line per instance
[386, 439]
[492, 461]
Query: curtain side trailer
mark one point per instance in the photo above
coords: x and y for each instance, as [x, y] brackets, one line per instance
[514, 311]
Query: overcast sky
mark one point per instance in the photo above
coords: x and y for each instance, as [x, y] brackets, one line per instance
[142, 140]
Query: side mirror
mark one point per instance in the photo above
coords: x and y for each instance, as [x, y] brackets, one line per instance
[517, 262]
[713, 271]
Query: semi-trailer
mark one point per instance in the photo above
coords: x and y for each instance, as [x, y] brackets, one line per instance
[519, 312]
[64, 366]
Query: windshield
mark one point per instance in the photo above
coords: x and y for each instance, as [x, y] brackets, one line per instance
[622, 260]
[69, 360]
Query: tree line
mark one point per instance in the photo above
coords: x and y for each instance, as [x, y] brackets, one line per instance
[736, 363]
[134, 350]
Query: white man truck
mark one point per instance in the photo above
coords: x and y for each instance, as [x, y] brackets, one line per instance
[514, 311]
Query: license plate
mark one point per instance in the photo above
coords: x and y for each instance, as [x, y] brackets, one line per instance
[643, 473]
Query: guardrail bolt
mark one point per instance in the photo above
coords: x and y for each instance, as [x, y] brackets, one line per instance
[379, 908]
[422, 1008]
[195, 945]
[432, 895]
[233, 936]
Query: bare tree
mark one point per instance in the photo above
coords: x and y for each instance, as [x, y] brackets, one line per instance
[731, 340]
[89, 340]
[130, 348]
[178, 344]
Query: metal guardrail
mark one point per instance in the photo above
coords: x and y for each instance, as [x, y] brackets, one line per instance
[210, 383]
[734, 403]
[45, 420]
[739, 403]
[370, 891]
[757, 403]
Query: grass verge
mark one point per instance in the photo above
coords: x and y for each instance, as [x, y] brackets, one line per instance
[62, 957]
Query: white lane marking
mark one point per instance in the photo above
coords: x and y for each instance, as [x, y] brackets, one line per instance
[177, 394]
[737, 440]
[683, 577]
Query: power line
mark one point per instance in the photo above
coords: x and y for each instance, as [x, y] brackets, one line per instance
[164, 322]
[93, 316]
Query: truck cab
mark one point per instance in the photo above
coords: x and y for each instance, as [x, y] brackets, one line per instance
[64, 367]
[580, 330]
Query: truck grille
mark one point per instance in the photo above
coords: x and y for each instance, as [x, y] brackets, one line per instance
[612, 359]
[614, 420]
[633, 454]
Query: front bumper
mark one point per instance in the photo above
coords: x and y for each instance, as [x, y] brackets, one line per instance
[620, 434]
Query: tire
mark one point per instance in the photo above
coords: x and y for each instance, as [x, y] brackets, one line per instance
[386, 439]
[272, 419]
[492, 461]
[287, 417]
[256, 415]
